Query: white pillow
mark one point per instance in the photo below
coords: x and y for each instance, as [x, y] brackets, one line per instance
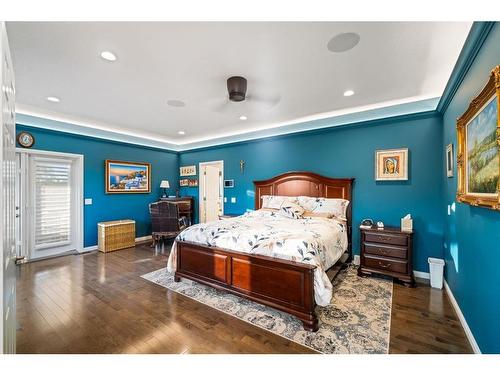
[291, 210]
[276, 201]
[336, 207]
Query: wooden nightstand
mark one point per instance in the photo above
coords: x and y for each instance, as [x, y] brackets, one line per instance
[387, 251]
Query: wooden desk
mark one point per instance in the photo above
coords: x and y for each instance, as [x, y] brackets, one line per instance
[186, 206]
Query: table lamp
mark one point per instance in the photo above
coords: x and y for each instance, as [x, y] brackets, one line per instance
[164, 185]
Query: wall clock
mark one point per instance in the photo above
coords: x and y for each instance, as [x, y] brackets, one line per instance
[25, 139]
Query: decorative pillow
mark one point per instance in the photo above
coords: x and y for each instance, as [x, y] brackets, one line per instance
[334, 206]
[291, 210]
[276, 201]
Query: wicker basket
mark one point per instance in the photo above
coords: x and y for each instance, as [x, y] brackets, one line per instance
[116, 235]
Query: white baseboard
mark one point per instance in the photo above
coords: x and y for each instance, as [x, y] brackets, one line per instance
[356, 260]
[461, 317]
[89, 248]
[137, 240]
[421, 275]
[142, 239]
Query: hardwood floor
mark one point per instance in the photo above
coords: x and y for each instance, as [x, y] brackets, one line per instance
[98, 303]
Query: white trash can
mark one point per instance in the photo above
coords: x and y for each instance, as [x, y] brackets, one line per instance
[436, 266]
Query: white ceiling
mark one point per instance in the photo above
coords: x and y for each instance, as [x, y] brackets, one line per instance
[287, 63]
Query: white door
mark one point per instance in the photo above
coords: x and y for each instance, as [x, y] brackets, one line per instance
[48, 223]
[7, 202]
[211, 191]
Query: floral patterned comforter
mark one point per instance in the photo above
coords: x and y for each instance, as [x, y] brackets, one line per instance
[313, 240]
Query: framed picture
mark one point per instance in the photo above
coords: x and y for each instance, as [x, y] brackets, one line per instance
[189, 170]
[391, 165]
[184, 182]
[126, 177]
[193, 182]
[449, 160]
[478, 155]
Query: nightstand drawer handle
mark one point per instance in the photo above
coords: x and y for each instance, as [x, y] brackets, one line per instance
[384, 265]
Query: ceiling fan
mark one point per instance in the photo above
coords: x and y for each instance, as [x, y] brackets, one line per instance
[238, 100]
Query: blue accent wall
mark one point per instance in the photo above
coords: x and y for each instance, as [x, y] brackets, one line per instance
[349, 151]
[164, 165]
[472, 234]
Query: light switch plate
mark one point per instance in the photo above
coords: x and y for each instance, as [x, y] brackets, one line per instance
[233, 199]
[225, 199]
[88, 201]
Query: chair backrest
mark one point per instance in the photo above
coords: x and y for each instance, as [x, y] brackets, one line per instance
[164, 217]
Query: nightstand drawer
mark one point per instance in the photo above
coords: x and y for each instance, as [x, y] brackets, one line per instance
[386, 238]
[391, 265]
[384, 250]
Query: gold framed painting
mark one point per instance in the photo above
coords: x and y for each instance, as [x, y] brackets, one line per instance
[126, 177]
[391, 165]
[478, 156]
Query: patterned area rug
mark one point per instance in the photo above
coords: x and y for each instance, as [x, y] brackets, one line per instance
[356, 321]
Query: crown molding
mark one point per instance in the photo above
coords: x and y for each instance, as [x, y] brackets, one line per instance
[34, 117]
[477, 35]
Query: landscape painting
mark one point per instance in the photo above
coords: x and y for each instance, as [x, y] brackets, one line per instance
[478, 142]
[126, 177]
[482, 150]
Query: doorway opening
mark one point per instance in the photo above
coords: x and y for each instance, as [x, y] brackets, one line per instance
[211, 190]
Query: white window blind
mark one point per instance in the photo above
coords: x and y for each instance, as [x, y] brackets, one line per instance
[52, 202]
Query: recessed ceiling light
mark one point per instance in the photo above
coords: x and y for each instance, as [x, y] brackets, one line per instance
[109, 56]
[348, 93]
[243, 118]
[53, 99]
[181, 132]
[343, 42]
[176, 103]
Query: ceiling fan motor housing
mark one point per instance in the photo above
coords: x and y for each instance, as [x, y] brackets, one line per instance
[237, 88]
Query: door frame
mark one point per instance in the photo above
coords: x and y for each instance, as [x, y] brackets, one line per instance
[202, 185]
[79, 189]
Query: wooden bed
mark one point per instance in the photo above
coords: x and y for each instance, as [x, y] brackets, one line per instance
[281, 284]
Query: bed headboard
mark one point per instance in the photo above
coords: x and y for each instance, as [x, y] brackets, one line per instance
[308, 184]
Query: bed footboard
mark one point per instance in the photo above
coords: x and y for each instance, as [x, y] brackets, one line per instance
[284, 285]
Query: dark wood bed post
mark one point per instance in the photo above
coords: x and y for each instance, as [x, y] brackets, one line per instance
[284, 285]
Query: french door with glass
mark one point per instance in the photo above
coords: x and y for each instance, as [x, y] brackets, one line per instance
[48, 202]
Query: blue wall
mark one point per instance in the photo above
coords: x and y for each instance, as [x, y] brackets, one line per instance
[349, 152]
[164, 165]
[472, 234]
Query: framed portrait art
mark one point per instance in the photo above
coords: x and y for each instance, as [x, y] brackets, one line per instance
[126, 177]
[478, 154]
[391, 165]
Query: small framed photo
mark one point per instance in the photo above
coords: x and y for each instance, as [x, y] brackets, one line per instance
[189, 170]
[449, 160]
[184, 182]
[391, 165]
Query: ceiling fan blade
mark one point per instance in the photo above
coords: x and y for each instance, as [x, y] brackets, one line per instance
[265, 99]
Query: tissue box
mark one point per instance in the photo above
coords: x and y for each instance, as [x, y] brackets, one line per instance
[406, 225]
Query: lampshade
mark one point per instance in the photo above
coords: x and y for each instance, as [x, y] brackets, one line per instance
[165, 184]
